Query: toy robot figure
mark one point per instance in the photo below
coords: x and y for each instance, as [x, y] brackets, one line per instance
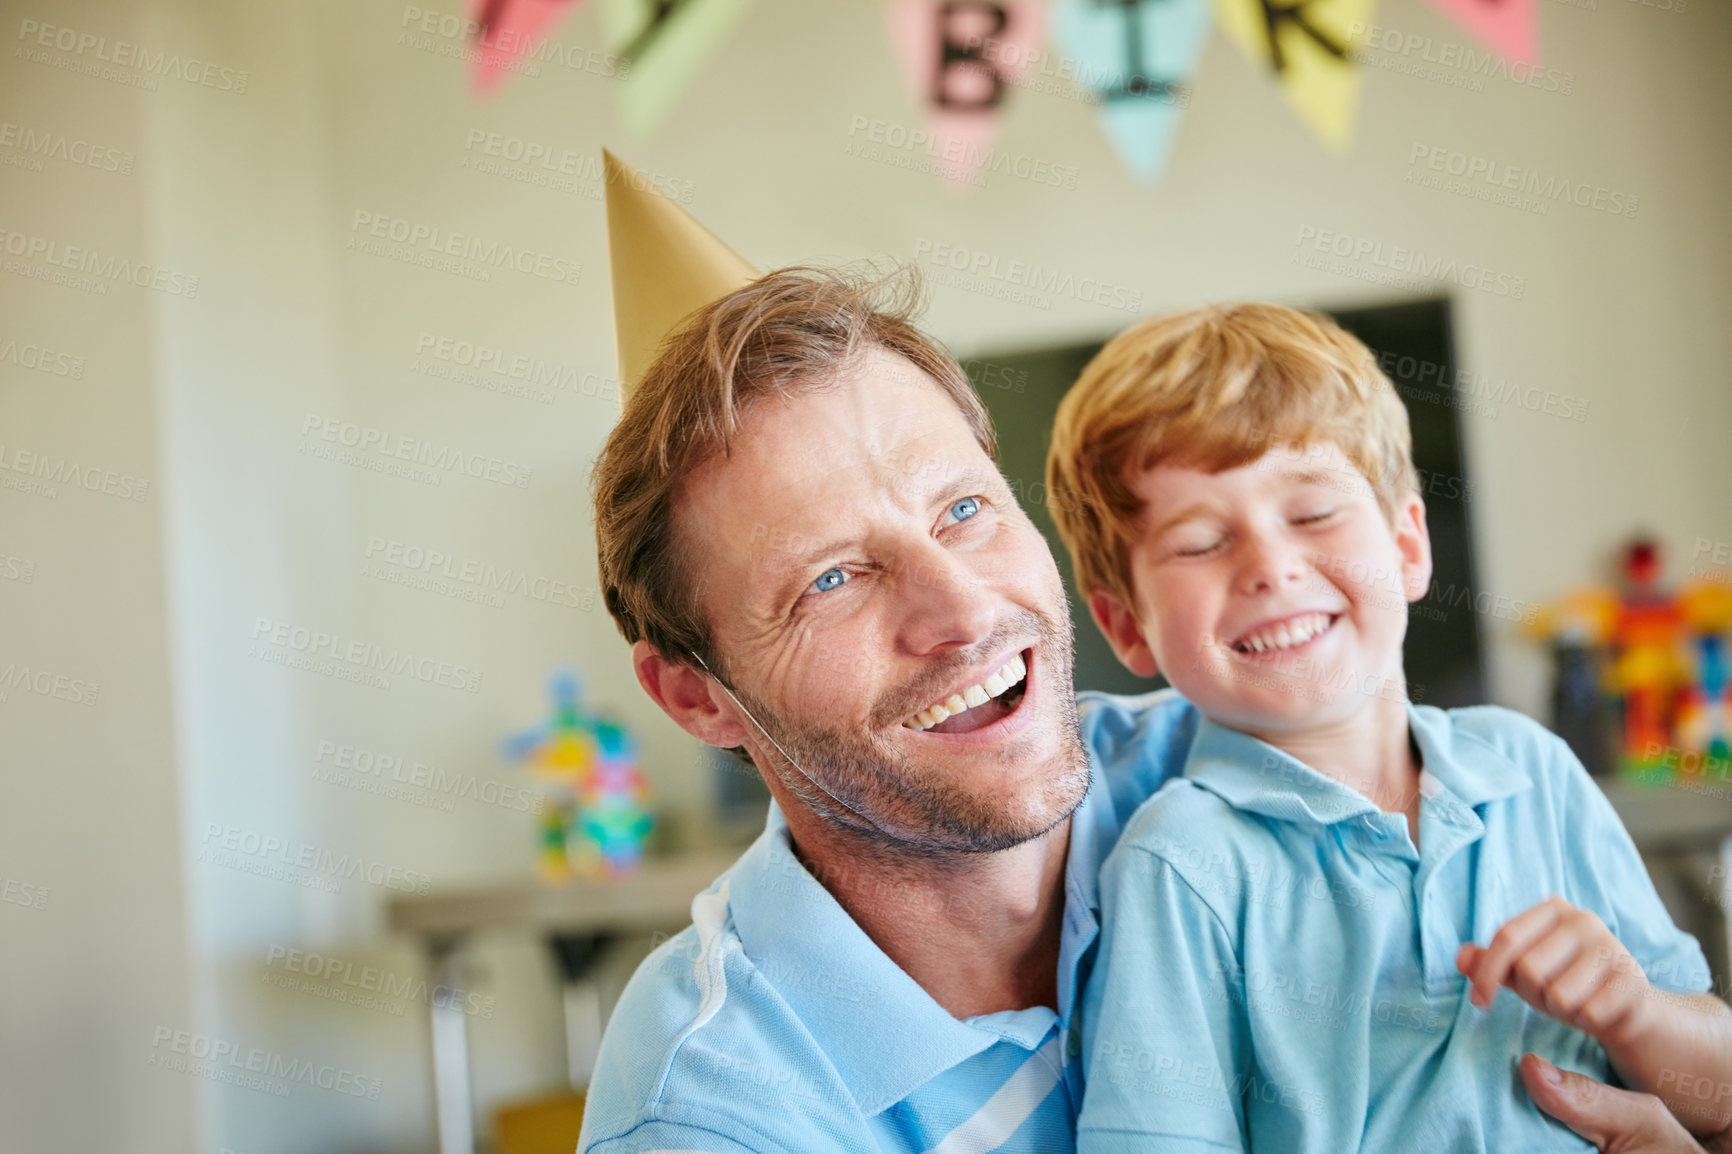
[597, 815]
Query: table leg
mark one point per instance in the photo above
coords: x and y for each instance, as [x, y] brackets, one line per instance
[452, 1099]
[1722, 908]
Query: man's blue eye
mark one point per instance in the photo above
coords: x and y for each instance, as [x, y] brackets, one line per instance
[828, 580]
[965, 508]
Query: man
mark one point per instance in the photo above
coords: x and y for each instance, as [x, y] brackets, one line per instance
[804, 537]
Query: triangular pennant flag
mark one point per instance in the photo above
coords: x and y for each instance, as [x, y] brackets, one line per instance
[1306, 45]
[1508, 27]
[664, 42]
[509, 31]
[665, 266]
[960, 57]
[1136, 56]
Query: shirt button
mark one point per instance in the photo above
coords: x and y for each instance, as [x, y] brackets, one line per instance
[1073, 1041]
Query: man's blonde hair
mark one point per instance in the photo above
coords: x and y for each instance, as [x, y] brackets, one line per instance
[790, 332]
[1212, 388]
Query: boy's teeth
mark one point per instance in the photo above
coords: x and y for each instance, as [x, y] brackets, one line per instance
[1011, 673]
[1286, 634]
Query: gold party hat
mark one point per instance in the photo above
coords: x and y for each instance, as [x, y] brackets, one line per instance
[665, 267]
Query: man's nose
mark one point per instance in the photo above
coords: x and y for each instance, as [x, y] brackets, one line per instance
[944, 602]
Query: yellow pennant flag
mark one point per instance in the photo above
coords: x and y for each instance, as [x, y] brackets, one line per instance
[1306, 45]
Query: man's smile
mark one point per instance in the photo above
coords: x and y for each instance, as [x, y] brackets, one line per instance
[961, 712]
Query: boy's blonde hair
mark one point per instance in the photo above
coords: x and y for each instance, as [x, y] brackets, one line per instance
[1212, 388]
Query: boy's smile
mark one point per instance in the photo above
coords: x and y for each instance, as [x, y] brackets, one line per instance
[1273, 594]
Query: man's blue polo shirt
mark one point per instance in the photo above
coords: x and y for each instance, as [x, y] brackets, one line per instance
[773, 1023]
[1278, 966]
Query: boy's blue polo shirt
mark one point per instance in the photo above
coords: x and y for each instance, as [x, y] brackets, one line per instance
[774, 1023]
[1278, 971]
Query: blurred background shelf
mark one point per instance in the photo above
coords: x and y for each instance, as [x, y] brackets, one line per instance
[658, 896]
[580, 920]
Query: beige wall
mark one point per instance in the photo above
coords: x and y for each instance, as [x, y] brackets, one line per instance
[93, 933]
[347, 112]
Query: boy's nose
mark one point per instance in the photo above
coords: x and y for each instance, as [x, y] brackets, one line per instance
[1268, 563]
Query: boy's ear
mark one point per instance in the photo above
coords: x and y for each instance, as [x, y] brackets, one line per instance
[1123, 632]
[1413, 542]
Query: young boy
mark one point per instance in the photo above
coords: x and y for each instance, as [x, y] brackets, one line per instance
[1305, 936]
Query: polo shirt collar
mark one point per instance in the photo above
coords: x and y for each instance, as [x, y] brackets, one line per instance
[1472, 769]
[1094, 829]
[1255, 777]
[882, 1031]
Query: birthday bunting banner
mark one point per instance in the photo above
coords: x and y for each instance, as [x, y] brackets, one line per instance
[963, 58]
[1305, 46]
[1136, 56]
[665, 43]
[508, 31]
[1511, 28]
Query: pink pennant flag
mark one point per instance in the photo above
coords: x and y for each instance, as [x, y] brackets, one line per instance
[1510, 28]
[509, 31]
[961, 58]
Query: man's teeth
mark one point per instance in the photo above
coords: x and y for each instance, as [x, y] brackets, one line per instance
[1286, 635]
[996, 683]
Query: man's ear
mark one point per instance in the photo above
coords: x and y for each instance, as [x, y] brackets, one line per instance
[1413, 542]
[691, 697]
[1123, 633]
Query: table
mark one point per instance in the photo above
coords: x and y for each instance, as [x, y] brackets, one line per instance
[657, 897]
[1675, 827]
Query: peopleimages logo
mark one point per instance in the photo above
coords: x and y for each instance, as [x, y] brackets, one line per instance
[103, 269]
[1496, 177]
[338, 979]
[223, 1061]
[986, 267]
[1374, 38]
[1366, 259]
[363, 656]
[504, 46]
[486, 360]
[365, 770]
[56, 471]
[481, 578]
[44, 143]
[41, 359]
[425, 243]
[124, 54]
[300, 855]
[440, 459]
[47, 683]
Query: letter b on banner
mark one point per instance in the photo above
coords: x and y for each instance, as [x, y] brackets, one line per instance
[966, 79]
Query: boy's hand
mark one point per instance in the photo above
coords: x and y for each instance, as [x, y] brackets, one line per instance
[1564, 962]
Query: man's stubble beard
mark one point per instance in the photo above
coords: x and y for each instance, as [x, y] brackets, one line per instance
[915, 815]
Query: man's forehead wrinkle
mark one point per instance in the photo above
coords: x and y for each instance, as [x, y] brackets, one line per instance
[857, 452]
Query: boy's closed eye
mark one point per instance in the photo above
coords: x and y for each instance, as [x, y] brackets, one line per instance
[1200, 539]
